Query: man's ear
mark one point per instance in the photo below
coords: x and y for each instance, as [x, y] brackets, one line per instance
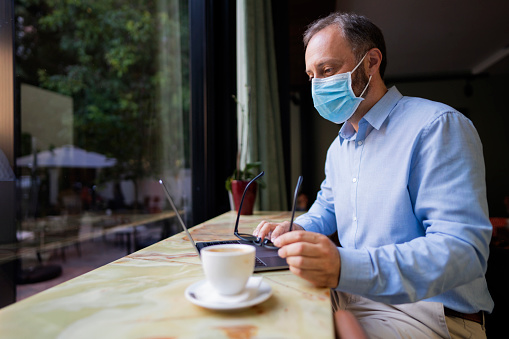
[374, 60]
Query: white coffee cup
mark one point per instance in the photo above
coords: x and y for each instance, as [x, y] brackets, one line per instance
[228, 267]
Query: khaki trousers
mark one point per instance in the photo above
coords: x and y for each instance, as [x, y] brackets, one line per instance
[422, 319]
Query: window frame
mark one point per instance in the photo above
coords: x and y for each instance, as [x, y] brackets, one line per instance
[213, 110]
[9, 121]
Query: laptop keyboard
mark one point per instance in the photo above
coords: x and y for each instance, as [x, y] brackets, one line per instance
[259, 263]
[224, 242]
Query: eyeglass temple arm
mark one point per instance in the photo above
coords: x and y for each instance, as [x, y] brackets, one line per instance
[299, 182]
[242, 200]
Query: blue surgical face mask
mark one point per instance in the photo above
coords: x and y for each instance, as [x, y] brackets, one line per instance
[334, 98]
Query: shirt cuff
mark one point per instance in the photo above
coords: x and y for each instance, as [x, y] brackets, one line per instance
[317, 220]
[355, 270]
[305, 223]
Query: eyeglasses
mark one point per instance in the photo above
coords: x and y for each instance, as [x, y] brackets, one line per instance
[256, 240]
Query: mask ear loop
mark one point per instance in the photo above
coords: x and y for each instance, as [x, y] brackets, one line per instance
[360, 62]
[365, 88]
[369, 80]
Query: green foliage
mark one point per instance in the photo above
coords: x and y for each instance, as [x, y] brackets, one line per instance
[112, 57]
[249, 172]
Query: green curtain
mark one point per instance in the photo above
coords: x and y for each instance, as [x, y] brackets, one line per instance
[258, 98]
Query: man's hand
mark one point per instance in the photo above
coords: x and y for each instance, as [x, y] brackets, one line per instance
[273, 230]
[311, 256]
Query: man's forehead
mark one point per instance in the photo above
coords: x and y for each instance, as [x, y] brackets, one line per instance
[327, 34]
[328, 42]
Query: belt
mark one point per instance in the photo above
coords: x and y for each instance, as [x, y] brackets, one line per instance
[477, 317]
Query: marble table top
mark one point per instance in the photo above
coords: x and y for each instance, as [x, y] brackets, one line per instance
[142, 296]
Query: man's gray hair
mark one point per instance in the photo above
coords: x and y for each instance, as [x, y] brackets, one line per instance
[359, 31]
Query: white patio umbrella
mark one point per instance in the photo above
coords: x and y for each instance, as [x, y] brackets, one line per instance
[67, 156]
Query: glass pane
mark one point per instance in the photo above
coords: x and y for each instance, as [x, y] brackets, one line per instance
[104, 101]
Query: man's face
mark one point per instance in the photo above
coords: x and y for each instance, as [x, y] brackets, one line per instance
[329, 53]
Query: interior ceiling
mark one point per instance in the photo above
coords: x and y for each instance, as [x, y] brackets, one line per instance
[424, 39]
[439, 38]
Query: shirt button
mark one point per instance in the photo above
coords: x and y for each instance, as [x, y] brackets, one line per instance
[354, 219]
[354, 179]
[359, 143]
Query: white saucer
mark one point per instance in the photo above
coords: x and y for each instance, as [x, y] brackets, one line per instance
[202, 294]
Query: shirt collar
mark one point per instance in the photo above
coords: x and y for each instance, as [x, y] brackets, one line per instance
[375, 116]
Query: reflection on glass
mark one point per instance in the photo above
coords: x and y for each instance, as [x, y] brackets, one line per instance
[104, 96]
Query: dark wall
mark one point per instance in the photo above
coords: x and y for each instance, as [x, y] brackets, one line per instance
[316, 134]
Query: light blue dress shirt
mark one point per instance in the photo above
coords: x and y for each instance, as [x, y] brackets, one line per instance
[407, 195]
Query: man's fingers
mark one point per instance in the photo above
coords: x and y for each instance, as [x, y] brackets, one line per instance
[298, 236]
[300, 249]
[257, 229]
[319, 271]
[305, 263]
[313, 276]
[263, 229]
[271, 230]
[311, 256]
[280, 230]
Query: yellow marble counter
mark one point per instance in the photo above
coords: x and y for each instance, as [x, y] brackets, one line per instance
[142, 296]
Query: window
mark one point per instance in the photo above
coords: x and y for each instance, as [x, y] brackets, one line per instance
[99, 110]
[104, 99]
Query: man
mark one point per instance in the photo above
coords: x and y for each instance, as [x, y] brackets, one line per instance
[405, 191]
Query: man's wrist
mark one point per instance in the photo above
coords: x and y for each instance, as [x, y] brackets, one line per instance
[297, 227]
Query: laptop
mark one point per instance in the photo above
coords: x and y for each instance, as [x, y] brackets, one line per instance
[267, 258]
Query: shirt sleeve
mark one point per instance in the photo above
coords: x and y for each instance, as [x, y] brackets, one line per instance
[447, 187]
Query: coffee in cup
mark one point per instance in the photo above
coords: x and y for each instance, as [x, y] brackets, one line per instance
[228, 267]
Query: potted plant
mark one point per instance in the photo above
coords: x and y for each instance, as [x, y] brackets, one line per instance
[245, 170]
[236, 184]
